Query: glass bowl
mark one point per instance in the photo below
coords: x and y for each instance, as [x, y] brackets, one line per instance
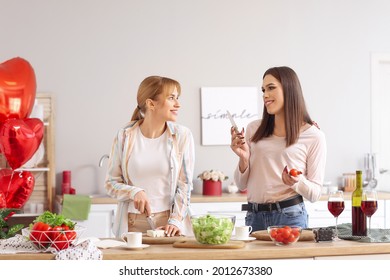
[213, 229]
[284, 235]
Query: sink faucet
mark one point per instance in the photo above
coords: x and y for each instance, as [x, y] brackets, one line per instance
[102, 159]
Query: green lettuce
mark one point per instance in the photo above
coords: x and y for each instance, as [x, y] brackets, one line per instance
[209, 229]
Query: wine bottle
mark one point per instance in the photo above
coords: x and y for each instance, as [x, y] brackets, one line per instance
[359, 219]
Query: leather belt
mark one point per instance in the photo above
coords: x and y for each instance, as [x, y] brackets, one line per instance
[257, 207]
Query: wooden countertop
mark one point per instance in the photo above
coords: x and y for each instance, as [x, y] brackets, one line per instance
[225, 197]
[253, 250]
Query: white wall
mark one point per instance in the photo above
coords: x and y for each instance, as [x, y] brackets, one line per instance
[92, 55]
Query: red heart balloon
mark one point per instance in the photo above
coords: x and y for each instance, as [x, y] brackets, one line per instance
[17, 89]
[16, 187]
[20, 139]
[3, 202]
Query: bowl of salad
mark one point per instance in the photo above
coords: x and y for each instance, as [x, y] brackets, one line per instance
[212, 229]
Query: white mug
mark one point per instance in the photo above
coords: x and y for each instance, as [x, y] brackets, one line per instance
[133, 239]
[242, 232]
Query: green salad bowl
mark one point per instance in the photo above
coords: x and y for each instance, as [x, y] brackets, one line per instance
[212, 229]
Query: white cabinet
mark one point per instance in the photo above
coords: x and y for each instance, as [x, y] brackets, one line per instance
[319, 215]
[100, 221]
[356, 257]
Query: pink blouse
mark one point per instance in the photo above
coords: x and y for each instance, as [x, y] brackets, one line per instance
[269, 156]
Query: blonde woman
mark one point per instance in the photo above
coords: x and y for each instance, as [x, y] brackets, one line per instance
[151, 163]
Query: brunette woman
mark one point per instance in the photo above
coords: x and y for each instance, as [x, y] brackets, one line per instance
[285, 138]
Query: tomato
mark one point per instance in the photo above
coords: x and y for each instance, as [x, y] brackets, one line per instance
[71, 235]
[295, 232]
[294, 172]
[279, 237]
[286, 232]
[62, 237]
[39, 234]
[291, 238]
[273, 233]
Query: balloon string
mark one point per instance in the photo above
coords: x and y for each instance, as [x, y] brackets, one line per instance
[9, 183]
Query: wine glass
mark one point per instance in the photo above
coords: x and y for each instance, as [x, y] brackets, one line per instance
[336, 207]
[369, 205]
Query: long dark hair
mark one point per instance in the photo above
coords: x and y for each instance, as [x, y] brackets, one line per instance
[294, 107]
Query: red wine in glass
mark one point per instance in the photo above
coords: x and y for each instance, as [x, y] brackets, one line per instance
[336, 207]
[369, 207]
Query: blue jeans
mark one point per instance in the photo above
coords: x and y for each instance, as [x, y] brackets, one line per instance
[295, 215]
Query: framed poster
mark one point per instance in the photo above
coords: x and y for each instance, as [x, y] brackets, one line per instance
[242, 103]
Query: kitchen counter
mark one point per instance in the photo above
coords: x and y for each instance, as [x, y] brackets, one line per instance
[253, 250]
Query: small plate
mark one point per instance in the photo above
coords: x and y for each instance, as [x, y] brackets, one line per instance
[143, 246]
[249, 238]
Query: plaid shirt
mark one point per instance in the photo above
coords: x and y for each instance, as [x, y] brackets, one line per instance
[181, 161]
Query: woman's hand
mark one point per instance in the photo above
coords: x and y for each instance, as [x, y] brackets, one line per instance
[240, 148]
[288, 179]
[141, 203]
[171, 230]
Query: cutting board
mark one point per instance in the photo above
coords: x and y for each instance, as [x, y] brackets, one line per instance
[196, 244]
[306, 235]
[162, 240]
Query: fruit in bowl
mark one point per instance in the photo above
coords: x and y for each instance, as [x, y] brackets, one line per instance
[284, 235]
[213, 229]
[51, 230]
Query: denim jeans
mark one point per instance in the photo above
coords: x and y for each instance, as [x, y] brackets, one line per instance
[295, 215]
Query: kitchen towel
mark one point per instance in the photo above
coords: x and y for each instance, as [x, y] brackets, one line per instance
[76, 207]
[377, 235]
[86, 250]
[17, 244]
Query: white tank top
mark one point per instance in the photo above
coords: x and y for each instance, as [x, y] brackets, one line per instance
[149, 170]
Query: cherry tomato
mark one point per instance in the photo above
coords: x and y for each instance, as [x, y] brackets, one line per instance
[286, 232]
[39, 234]
[291, 238]
[294, 172]
[295, 232]
[273, 233]
[62, 237]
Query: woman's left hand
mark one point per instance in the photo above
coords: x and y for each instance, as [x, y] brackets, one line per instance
[287, 178]
[171, 230]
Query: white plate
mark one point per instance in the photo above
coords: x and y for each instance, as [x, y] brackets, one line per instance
[143, 246]
[249, 238]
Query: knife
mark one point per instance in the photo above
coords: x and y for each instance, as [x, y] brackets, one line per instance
[151, 222]
[232, 121]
